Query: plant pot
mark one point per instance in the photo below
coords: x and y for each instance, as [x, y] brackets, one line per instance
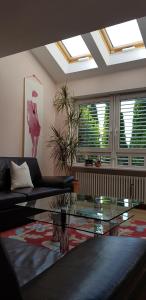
[76, 186]
[98, 164]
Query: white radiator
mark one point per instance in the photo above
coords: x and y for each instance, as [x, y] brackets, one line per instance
[112, 185]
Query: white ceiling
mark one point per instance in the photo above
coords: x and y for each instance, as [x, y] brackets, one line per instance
[29, 24]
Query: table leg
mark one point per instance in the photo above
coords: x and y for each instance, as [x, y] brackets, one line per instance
[60, 231]
[64, 237]
[64, 241]
[114, 230]
[56, 227]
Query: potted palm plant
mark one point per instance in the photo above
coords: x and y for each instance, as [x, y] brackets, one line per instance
[64, 141]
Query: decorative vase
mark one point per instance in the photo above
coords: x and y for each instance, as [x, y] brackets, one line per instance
[76, 186]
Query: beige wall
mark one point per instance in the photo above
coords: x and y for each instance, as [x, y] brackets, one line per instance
[118, 81]
[13, 70]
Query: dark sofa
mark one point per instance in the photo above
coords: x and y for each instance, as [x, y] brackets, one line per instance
[99, 269]
[43, 186]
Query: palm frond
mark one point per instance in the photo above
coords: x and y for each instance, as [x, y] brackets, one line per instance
[62, 99]
[64, 143]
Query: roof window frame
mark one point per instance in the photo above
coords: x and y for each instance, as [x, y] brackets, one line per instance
[67, 55]
[111, 49]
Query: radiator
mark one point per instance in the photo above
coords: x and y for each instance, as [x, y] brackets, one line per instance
[112, 185]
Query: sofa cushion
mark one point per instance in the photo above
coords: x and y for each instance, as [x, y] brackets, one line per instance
[8, 199]
[41, 192]
[102, 268]
[20, 176]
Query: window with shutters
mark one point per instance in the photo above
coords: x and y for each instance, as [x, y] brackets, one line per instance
[94, 135]
[114, 130]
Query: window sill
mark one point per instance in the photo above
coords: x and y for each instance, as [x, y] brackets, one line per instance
[79, 167]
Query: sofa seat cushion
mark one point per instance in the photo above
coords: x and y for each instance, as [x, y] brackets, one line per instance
[8, 199]
[102, 268]
[41, 192]
[28, 260]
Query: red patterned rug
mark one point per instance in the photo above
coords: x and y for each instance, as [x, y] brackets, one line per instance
[135, 228]
[40, 233]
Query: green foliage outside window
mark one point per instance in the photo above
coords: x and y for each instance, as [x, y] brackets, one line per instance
[89, 127]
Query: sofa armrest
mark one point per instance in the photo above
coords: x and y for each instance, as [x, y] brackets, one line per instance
[56, 181]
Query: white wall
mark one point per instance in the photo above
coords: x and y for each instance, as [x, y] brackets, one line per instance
[13, 70]
[118, 81]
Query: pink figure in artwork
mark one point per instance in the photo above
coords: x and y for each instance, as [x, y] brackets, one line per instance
[33, 123]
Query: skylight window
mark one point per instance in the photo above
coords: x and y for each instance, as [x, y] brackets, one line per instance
[76, 46]
[74, 49]
[122, 36]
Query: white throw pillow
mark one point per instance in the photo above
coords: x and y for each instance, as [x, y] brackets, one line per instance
[20, 176]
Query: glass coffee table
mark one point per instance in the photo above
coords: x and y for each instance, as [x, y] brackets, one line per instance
[90, 214]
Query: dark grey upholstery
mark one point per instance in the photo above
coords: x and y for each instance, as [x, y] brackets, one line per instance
[103, 268]
[29, 260]
[8, 199]
[9, 284]
[106, 268]
[59, 181]
[43, 186]
[41, 192]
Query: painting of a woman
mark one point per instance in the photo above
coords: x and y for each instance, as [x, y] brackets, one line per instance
[33, 123]
[33, 129]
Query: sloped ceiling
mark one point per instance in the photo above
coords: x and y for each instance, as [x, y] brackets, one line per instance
[29, 24]
[56, 72]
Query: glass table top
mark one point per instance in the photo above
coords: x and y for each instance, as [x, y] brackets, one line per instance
[96, 208]
[87, 225]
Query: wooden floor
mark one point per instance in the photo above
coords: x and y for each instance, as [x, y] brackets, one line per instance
[139, 214]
